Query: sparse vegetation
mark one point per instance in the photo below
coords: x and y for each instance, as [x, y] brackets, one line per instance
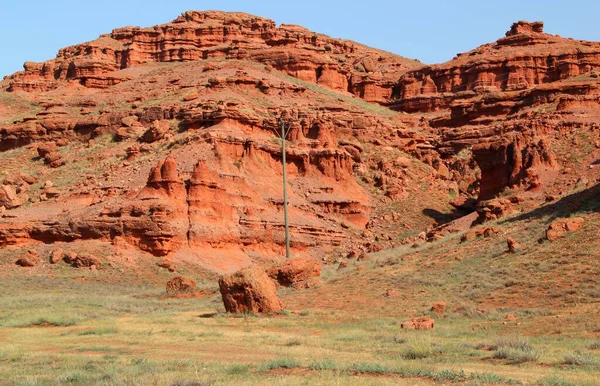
[515, 350]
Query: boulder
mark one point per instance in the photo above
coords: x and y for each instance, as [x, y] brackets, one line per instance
[30, 259]
[83, 260]
[180, 284]
[249, 290]
[157, 131]
[559, 228]
[422, 323]
[57, 255]
[439, 307]
[8, 197]
[46, 148]
[294, 271]
[124, 133]
[50, 155]
[512, 245]
[166, 264]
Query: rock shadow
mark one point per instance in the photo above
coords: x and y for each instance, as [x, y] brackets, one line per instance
[587, 200]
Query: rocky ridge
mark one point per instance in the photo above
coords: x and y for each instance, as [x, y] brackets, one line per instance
[193, 105]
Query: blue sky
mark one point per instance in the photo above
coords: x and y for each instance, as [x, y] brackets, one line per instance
[432, 31]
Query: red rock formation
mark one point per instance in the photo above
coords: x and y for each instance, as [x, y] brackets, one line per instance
[512, 245]
[83, 261]
[559, 228]
[524, 58]
[8, 197]
[30, 259]
[180, 284]
[500, 103]
[57, 255]
[509, 162]
[249, 290]
[294, 271]
[439, 307]
[421, 323]
[196, 35]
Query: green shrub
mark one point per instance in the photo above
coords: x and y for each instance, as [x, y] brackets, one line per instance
[515, 342]
[594, 346]
[580, 358]
[449, 375]
[293, 342]
[323, 364]
[238, 369]
[51, 320]
[99, 331]
[370, 368]
[286, 363]
[554, 380]
[418, 348]
[513, 355]
[515, 349]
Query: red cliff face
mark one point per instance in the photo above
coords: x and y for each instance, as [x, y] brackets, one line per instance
[526, 57]
[506, 103]
[165, 138]
[336, 64]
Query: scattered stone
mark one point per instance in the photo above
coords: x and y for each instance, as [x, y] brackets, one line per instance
[294, 271]
[249, 290]
[510, 317]
[30, 259]
[512, 245]
[57, 255]
[439, 307]
[390, 293]
[83, 260]
[157, 131]
[124, 133]
[8, 197]
[131, 121]
[50, 155]
[559, 228]
[363, 256]
[343, 265]
[180, 284]
[422, 323]
[353, 254]
[167, 264]
[481, 232]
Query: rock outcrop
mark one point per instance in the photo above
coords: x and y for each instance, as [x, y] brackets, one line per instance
[560, 228]
[524, 58]
[180, 284]
[8, 197]
[420, 323]
[29, 259]
[249, 290]
[333, 63]
[503, 106]
[294, 271]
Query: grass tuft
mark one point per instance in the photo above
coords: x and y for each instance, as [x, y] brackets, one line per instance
[515, 350]
[370, 368]
[418, 348]
[286, 363]
[99, 331]
[580, 358]
[323, 364]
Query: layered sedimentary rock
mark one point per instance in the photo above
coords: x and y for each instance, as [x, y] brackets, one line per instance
[526, 57]
[505, 105]
[336, 64]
